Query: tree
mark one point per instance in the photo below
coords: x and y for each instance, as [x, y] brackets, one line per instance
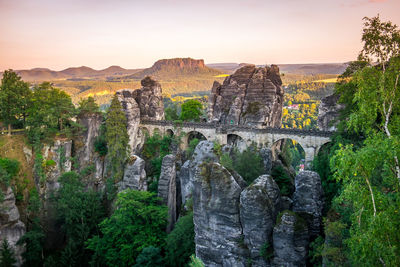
[117, 138]
[180, 242]
[149, 257]
[191, 110]
[7, 255]
[79, 211]
[14, 98]
[138, 222]
[171, 112]
[88, 105]
[249, 157]
[369, 199]
[51, 111]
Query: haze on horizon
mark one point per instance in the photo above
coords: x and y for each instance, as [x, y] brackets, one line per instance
[134, 34]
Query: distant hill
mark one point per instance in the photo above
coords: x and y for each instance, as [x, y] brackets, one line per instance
[43, 74]
[175, 68]
[302, 69]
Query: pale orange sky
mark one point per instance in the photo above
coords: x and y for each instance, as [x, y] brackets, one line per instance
[134, 34]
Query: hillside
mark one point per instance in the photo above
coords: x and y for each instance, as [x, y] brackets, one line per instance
[44, 74]
[301, 69]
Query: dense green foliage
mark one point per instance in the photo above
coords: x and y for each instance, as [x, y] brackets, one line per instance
[149, 257]
[191, 110]
[8, 170]
[137, 223]
[155, 148]
[79, 211]
[117, 139]
[88, 105]
[7, 255]
[180, 242]
[15, 97]
[361, 227]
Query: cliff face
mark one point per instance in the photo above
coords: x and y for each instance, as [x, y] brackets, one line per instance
[176, 68]
[251, 96]
[145, 103]
[11, 228]
[328, 113]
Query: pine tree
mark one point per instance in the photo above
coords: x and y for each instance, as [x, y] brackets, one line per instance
[7, 255]
[117, 138]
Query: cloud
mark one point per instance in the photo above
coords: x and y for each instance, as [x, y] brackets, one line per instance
[376, 1]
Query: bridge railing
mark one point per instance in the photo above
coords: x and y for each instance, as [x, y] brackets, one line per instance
[208, 125]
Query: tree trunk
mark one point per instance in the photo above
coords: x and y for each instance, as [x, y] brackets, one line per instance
[9, 129]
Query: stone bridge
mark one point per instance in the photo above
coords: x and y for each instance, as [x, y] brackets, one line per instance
[310, 140]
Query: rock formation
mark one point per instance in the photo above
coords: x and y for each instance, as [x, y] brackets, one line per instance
[175, 68]
[266, 155]
[11, 228]
[134, 175]
[141, 104]
[58, 161]
[167, 188]
[204, 152]
[251, 96]
[290, 241]
[328, 113]
[219, 238]
[85, 150]
[308, 200]
[259, 206]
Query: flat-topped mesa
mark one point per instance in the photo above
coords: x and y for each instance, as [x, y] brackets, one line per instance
[251, 96]
[145, 103]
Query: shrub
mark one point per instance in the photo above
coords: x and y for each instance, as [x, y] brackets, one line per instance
[180, 242]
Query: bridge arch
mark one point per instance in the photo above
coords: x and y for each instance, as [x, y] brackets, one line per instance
[289, 151]
[169, 132]
[189, 136]
[236, 140]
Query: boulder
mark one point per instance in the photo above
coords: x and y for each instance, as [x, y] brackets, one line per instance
[290, 241]
[251, 96]
[167, 189]
[259, 206]
[218, 231]
[308, 200]
[134, 175]
[11, 228]
[328, 113]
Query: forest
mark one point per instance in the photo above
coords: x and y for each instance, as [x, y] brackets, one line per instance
[359, 170]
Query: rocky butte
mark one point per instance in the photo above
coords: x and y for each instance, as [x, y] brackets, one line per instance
[251, 96]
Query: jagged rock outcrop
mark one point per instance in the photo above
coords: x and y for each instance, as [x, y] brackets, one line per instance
[57, 161]
[167, 188]
[266, 156]
[204, 152]
[290, 239]
[308, 200]
[328, 112]
[134, 175]
[84, 148]
[251, 96]
[219, 237]
[145, 103]
[259, 206]
[11, 228]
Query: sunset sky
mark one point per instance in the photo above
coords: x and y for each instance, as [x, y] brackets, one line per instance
[134, 34]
